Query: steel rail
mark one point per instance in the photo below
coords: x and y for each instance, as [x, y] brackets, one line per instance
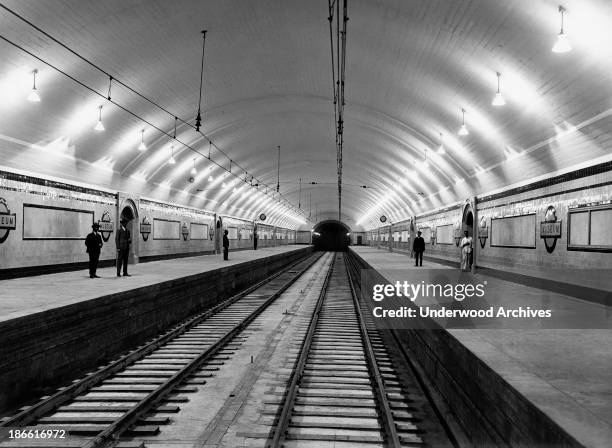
[53, 402]
[393, 439]
[422, 382]
[298, 369]
[110, 436]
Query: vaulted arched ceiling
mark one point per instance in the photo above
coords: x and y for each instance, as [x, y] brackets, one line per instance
[412, 66]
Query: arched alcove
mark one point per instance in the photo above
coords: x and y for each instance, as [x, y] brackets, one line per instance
[331, 235]
[467, 223]
[129, 212]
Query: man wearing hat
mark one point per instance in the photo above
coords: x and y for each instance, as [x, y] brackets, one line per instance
[123, 239]
[93, 242]
[418, 247]
[225, 245]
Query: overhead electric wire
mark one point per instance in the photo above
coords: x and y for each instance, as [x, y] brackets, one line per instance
[339, 139]
[338, 80]
[342, 104]
[134, 91]
[199, 116]
[331, 43]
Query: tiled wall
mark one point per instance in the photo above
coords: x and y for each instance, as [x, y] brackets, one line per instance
[58, 221]
[529, 205]
[242, 236]
[44, 223]
[173, 229]
[596, 189]
[270, 236]
[355, 237]
[440, 222]
[302, 237]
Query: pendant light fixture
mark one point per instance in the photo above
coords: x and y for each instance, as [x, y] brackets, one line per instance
[441, 150]
[463, 130]
[498, 100]
[99, 126]
[562, 44]
[34, 97]
[142, 146]
[425, 162]
[193, 171]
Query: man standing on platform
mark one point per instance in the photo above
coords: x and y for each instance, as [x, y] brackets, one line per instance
[418, 247]
[225, 245]
[93, 242]
[466, 252]
[123, 240]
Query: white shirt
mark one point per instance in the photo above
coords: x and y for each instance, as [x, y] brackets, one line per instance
[465, 240]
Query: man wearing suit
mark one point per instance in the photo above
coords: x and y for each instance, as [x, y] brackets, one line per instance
[418, 247]
[225, 245]
[123, 240]
[93, 242]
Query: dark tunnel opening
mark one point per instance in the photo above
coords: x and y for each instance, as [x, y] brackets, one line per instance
[331, 236]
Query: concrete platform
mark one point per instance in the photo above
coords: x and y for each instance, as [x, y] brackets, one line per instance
[592, 285]
[531, 385]
[57, 326]
[29, 295]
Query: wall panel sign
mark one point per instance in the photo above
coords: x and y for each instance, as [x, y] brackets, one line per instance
[166, 229]
[8, 221]
[514, 231]
[588, 228]
[232, 233]
[483, 232]
[106, 225]
[550, 229]
[444, 234]
[199, 231]
[45, 222]
[145, 228]
[185, 231]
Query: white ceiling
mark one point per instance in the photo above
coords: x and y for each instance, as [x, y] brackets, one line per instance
[412, 65]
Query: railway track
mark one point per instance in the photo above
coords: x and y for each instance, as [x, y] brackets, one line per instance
[345, 391]
[118, 399]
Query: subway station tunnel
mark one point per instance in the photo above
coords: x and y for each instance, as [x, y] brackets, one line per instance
[314, 143]
[331, 235]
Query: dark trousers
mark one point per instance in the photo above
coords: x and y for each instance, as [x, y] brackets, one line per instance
[255, 244]
[93, 263]
[225, 252]
[418, 256]
[122, 259]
